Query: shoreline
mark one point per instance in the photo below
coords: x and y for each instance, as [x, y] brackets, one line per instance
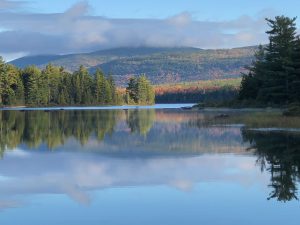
[123, 107]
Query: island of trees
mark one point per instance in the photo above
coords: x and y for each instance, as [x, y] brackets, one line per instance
[274, 76]
[55, 86]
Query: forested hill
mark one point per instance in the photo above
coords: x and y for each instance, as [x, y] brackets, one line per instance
[161, 65]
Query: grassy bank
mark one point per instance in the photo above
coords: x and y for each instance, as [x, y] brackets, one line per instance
[267, 119]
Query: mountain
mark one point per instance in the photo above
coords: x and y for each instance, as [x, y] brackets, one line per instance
[161, 65]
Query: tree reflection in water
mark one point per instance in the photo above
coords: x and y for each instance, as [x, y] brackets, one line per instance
[53, 128]
[279, 154]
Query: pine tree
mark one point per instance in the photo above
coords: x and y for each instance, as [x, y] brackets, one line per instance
[52, 75]
[99, 87]
[282, 36]
[112, 85]
[252, 81]
[271, 78]
[12, 86]
[140, 91]
[31, 76]
[108, 92]
[132, 90]
[64, 88]
[82, 86]
[295, 74]
[87, 85]
[76, 88]
[2, 71]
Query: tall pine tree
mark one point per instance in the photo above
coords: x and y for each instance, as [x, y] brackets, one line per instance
[278, 58]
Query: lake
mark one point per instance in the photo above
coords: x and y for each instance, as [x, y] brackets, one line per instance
[147, 166]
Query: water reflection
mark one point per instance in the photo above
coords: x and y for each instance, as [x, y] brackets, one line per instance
[34, 128]
[83, 151]
[76, 175]
[140, 121]
[279, 154]
[114, 131]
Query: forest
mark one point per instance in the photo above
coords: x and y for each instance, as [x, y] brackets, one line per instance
[216, 91]
[274, 76]
[55, 86]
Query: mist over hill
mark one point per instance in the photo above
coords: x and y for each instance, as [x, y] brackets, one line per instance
[161, 65]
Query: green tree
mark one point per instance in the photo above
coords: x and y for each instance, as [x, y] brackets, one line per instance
[108, 92]
[64, 88]
[295, 74]
[270, 77]
[53, 77]
[99, 87]
[140, 91]
[32, 79]
[282, 37]
[132, 90]
[11, 85]
[251, 81]
[82, 86]
[2, 74]
[113, 88]
[55, 86]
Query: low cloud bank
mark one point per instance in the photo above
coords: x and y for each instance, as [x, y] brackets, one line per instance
[75, 30]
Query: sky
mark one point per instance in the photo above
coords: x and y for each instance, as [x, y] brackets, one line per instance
[70, 26]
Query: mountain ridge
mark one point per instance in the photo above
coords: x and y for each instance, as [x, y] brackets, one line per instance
[161, 65]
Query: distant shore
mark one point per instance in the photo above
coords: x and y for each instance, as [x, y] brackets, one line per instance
[123, 107]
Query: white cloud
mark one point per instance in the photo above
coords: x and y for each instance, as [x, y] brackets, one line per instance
[76, 31]
[78, 174]
[181, 20]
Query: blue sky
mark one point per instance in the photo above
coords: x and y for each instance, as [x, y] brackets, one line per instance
[69, 26]
[201, 9]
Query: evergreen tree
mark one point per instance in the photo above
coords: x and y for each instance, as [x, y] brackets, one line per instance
[2, 74]
[140, 91]
[64, 88]
[99, 87]
[52, 75]
[132, 90]
[282, 37]
[112, 85]
[31, 76]
[142, 86]
[252, 81]
[82, 86]
[87, 85]
[295, 74]
[54, 86]
[108, 92]
[271, 78]
[11, 85]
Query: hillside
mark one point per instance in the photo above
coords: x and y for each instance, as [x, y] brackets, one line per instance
[161, 65]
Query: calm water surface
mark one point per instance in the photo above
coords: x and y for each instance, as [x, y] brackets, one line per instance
[144, 166]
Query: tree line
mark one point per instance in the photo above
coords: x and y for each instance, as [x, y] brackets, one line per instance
[214, 91]
[55, 86]
[218, 95]
[274, 76]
